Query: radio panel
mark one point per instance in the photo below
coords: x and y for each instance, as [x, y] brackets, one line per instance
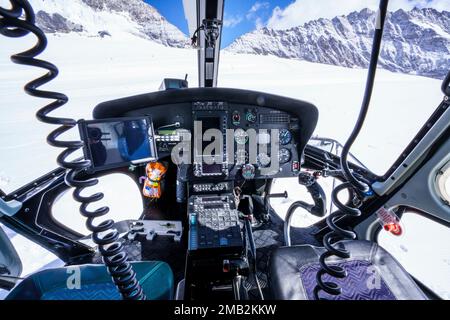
[214, 224]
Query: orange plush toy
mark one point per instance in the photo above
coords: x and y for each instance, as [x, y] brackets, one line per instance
[152, 186]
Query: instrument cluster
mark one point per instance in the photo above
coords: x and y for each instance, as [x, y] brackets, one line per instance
[263, 144]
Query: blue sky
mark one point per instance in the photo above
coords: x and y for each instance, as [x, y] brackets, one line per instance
[242, 16]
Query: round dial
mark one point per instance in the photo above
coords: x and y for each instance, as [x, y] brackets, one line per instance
[285, 136]
[241, 157]
[251, 116]
[284, 156]
[240, 136]
[263, 160]
[248, 171]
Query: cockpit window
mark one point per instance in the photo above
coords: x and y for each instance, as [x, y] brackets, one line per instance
[422, 247]
[201, 172]
[65, 209]
[291, 48]
[297, 49]
[400, 104]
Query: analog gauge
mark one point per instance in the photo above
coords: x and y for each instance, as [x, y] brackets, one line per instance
[241, 157]
[263, 160]
[236, 118]
[285, 136]
[251, 116]
[240, 136]
[284, 156]
[248, 171]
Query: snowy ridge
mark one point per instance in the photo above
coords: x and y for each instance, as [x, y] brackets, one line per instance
[415, 42]
[102, 18]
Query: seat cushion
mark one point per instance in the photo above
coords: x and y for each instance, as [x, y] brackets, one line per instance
[372, 274]
[156, 279]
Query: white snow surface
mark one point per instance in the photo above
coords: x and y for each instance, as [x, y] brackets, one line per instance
[116, 17]
[93, 70]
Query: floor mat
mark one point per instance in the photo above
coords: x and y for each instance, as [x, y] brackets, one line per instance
[267, 238]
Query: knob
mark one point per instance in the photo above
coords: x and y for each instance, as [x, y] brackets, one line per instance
[197, 173]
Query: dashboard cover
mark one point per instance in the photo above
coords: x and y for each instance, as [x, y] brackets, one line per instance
[166, 101]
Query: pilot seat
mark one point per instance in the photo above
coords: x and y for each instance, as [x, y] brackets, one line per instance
[372, 274]
[155, 277]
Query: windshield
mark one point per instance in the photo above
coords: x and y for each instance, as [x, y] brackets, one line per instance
[309, 50]
[319, 52]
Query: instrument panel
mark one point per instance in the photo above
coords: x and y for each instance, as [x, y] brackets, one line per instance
[263, 136]
[258, 142]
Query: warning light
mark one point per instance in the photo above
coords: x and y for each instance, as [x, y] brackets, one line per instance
[226, 266]
[393, 228]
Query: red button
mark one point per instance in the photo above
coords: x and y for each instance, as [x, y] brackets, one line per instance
[226, 266]
[393, 228]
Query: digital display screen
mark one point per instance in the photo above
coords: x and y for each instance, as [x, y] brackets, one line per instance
[116, 143]
[209, 123]
[211, 169]
[175, 84]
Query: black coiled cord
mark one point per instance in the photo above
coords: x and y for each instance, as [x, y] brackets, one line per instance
[19, 21]
[353, 183]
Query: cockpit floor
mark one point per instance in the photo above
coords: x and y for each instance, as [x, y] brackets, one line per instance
[267, 238]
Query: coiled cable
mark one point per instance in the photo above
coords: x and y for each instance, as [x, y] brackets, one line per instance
[353, 182]
[19, 21]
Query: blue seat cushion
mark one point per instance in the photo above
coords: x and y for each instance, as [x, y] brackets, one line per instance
[155, 277]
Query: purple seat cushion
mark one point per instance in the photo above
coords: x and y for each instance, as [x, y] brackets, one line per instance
[358, 285]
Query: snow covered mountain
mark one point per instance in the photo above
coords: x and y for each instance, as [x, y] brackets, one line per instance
[101, 18]
[416, 42]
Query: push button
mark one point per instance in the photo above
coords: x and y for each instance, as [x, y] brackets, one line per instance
[223, 241]
[193, 219]
[295, 166]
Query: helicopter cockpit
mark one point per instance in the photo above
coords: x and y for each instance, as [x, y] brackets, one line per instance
[204, 159]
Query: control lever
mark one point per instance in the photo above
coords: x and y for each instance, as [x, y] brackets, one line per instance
[181, 192]
[319, 208]
[246, 207]
[237, 287]
[278, 195]
[240, 269]
[266, 202]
